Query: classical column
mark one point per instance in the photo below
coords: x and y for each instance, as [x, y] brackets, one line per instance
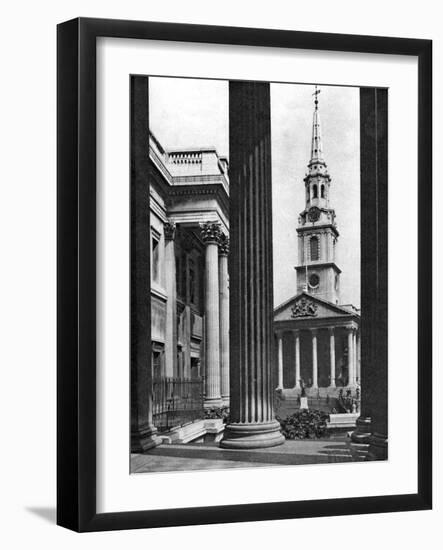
[280, 360]
[372, 426]
[354, 355]
[332, 356]
[210, 233]
[223, 251]
[297, 359]
[171, 304]
[358, 357]
[252, 421]
[351, 371]
[143, 431]
[314, 359]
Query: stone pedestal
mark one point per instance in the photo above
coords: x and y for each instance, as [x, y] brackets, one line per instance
[252, 422]
[304, 403]
[362, 431]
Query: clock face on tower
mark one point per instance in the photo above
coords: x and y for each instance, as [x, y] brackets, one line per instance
[314, 214]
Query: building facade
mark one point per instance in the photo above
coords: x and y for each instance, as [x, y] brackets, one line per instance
[189, 205]
[318, 339]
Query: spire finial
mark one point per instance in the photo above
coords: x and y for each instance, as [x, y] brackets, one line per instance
[317, 91]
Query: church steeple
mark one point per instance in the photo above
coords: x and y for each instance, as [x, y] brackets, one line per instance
[317, 271]
[317, 145]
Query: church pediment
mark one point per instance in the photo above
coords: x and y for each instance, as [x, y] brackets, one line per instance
[307, 306]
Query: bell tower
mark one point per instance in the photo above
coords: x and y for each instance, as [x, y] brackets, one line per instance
[317, 272]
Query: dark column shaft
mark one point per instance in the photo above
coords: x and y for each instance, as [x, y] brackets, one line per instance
[142, 430]
[372, 426]
[252, 421]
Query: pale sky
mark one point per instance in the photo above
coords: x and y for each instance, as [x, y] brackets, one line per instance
[194, 113]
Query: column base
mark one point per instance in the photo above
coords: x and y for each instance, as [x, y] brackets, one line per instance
[362, 433]
[378, 447]
[213, 403]
[144, 439]
[252, 435]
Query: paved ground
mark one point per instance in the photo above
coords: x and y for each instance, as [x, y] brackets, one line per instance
[166, 458]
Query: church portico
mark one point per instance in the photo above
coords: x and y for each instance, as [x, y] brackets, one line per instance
[316, 357]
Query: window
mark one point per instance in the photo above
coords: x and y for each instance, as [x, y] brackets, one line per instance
[155, 258]
[314, 191]
[314, 245]
[192, 283]
[322, 191]
[156, 364]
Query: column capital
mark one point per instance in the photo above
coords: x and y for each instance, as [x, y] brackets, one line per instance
[210, 232]
[331, 330]
[223, 245]
[314, 331]
[169, 228]
[296, 331]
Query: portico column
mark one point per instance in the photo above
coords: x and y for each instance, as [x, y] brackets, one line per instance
[332, 356]
[252, 421]
[372, 426]
[143, 431]
[354, 347]
[223, 251]
[210, 233]
[351, 372]
[171, 304]
[297, 359]
[280, 360]
[358, 357]
[314, 359]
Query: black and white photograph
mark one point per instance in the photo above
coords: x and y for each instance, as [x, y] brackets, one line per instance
[246, 306]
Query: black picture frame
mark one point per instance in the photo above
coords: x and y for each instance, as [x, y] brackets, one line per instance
[76, 265]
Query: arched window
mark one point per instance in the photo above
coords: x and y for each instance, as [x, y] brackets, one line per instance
[322, 191]
[314, 245]
[314, 191]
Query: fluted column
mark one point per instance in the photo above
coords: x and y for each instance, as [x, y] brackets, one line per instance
[372, 426]
[314, 359]
[355, 354]
[171, 304]
[332, 357]
[297, 358]
[210, 234]
[143, 431]
[280, 360]
[223, 251]
[252, 422]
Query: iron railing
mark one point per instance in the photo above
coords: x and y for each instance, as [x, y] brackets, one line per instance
[176, 401]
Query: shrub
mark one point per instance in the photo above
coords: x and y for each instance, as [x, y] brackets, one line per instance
[304, 424]
[217, 412]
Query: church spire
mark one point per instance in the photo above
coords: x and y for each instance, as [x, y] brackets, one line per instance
[317, 271]
[317, 162]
